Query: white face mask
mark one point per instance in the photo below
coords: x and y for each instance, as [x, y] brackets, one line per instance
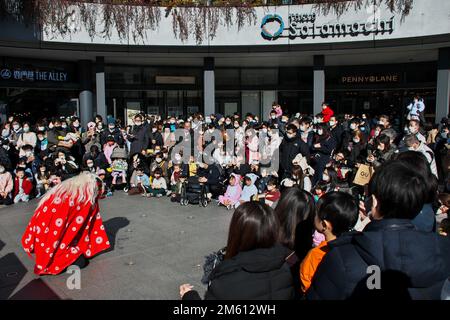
[41, 128]
[291, 135]
[154, 130]
[273, 117]
[158, 160]
[353, 126]
[332, 123]
[303, 128]
[413, 130]
[2, 169]
[64, 126]
[16, 127]
[90, 165]
[356, 140]
[325, 177]
[320, 132]
[26, 129]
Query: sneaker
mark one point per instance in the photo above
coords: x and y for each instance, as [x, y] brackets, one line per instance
[159, 195]
[168, 193]
[109, 194]
[125, 189]
[209, 195]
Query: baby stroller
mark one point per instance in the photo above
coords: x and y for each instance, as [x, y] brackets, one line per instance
[194, 192]
[119, 168]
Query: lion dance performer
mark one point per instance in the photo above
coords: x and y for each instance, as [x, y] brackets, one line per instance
[66, 227]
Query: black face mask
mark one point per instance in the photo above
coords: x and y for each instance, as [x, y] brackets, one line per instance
[58, 127]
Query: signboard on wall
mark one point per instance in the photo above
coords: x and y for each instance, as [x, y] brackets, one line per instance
[32, 75]
[284, 25]
[174, 80]
[370, 78]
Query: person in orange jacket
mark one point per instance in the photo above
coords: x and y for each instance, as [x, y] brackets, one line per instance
[327, 112]
[337, 213]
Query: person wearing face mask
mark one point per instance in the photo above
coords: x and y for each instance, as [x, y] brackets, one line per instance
[323, 147]
[6, 186]
[98, 157]
[337, 131]
[306, 132]
[160, 162]
[291, 146]
[139, 135]
[416, 109]
[156, 138]
[27, 137]
[228, 123]
[55, 137]
[349, 133]
[414, 144]
[357, 149]
[112, 131]
[6, 131]
[90, 137]
[15, 132]
[384, 152]
[273, 119]
[75, 126]
[65, 165]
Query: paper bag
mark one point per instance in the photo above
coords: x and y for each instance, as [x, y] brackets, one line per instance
[363, 175]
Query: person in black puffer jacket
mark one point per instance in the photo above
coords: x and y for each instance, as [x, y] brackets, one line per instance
[390, 259]
[254, 266]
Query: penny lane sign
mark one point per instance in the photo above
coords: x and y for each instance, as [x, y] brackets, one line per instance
[304, 26]
[32, 75]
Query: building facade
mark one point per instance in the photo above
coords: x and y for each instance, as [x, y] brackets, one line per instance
[363, 61]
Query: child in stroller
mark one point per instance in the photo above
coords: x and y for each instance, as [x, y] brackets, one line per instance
[119, 167]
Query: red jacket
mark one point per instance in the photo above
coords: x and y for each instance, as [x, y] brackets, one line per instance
[327, 114]
[26, 185]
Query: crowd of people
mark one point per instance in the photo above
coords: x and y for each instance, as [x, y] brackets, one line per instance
[313, 195]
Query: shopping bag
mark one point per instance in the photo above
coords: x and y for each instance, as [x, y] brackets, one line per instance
[363, 175]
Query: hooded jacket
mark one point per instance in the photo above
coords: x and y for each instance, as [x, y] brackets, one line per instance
[251, 190]
[413, 264]
[259, 274]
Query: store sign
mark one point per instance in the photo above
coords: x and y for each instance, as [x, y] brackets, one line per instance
[370, 79]
[174, 80]
[304, 26]
[33, 75]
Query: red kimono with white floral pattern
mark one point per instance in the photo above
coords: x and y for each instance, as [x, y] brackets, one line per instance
[60, 231]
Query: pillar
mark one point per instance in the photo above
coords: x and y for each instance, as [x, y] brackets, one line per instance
[443, 85]
[85, 96]
[209, 86]
[100, 87]
[319, 83]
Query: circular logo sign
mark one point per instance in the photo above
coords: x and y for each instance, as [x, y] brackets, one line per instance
[5, 74]
[269, 20]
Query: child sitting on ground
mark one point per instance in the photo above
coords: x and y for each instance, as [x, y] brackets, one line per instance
[158, 186]
[22, 186]
[233, 192]
[139, 182]
[272, 195]
[42, 180]
[6, 186]
[337, 213]
[249, 189]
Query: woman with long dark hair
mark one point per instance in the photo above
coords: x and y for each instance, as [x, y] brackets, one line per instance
[254, 266]
[295, 212]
